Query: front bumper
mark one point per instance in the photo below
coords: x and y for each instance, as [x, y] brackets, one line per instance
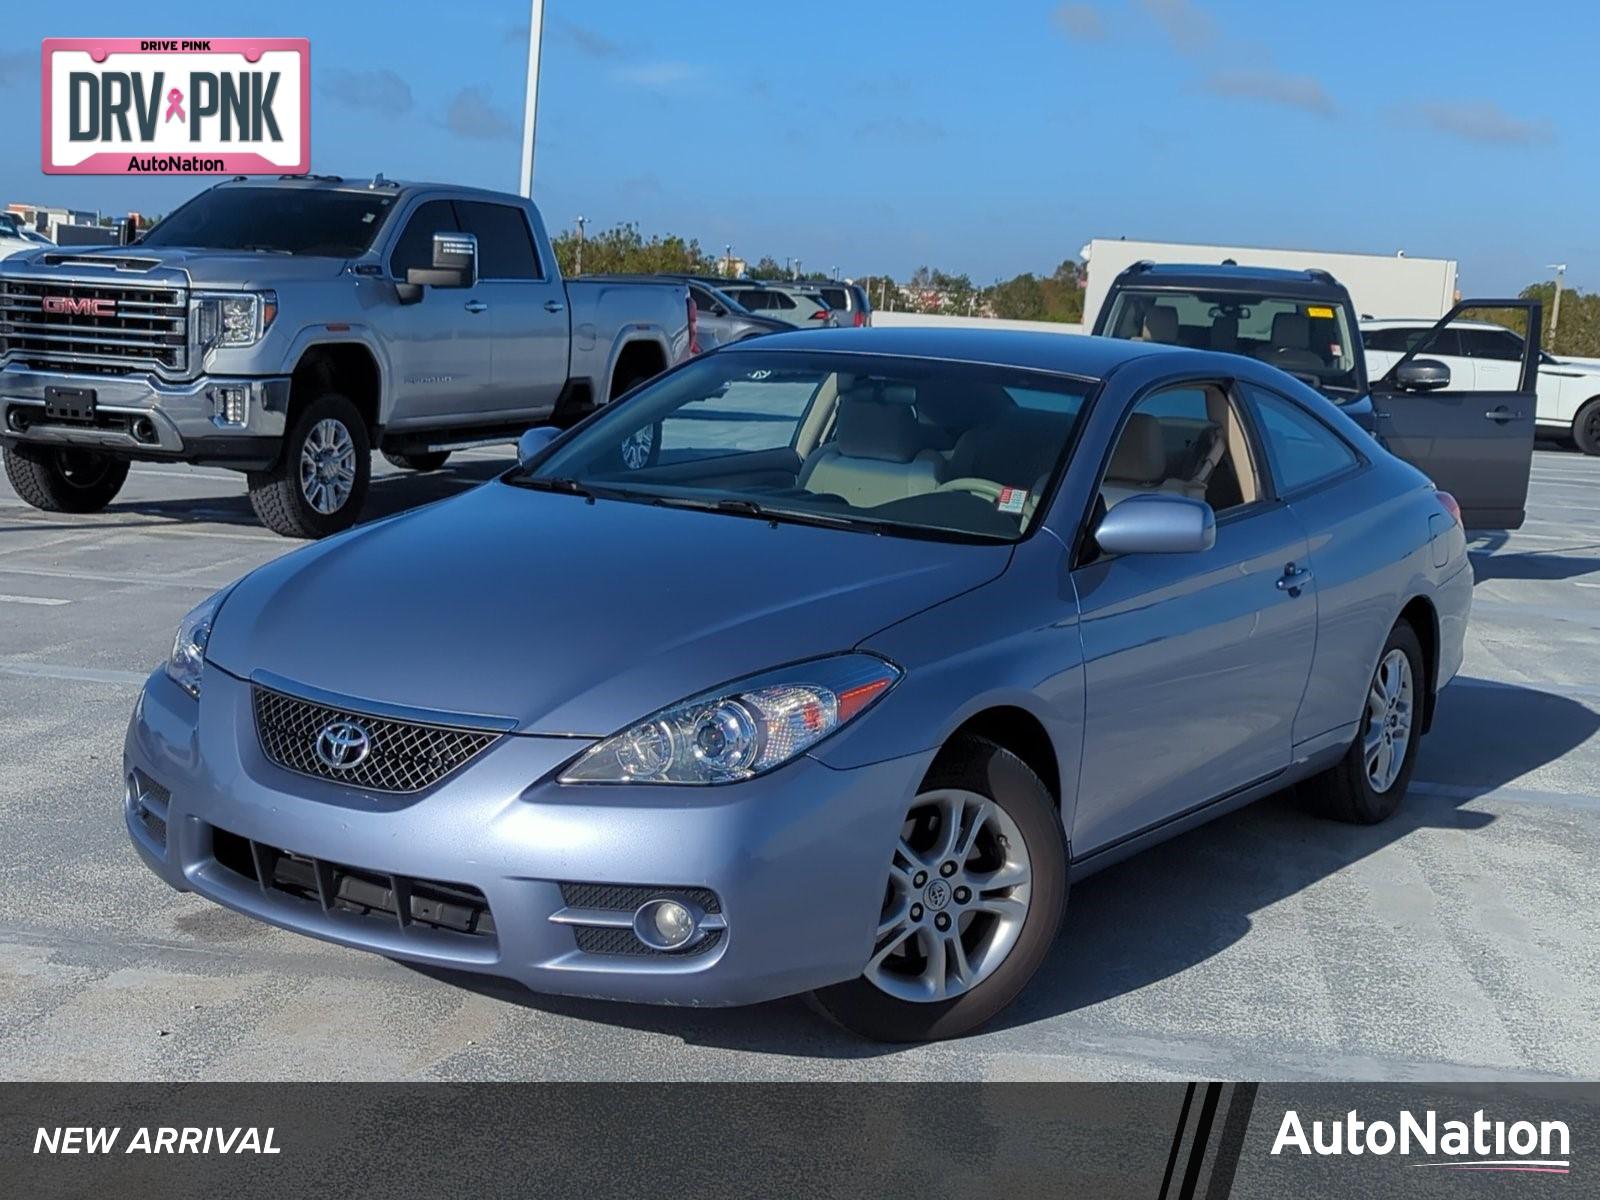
[797, 860]
[180, 415]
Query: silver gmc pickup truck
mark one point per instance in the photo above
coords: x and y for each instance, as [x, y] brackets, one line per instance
[287, 328]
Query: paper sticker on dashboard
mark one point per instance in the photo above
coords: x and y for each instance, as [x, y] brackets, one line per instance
[1011, 499]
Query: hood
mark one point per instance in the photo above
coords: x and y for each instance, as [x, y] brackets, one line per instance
[572, 617]
[204, 268]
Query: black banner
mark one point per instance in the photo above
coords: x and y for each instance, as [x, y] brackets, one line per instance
[594, 1141]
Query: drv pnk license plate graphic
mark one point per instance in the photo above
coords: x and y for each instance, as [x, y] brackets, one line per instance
[171, 106]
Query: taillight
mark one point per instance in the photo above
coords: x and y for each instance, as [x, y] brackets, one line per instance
[694, 327]
[1450, 506]
[821, 314]
[859, 319]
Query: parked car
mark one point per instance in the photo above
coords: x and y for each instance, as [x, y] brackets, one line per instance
[1483, 356]
[794, 306]
[848, 300]
[288, 327]
[1476, 446]
[940, 621]
[16, 235]
[722, 319]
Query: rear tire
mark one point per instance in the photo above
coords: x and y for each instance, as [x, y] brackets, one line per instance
[64, 479]
[972, 775]
[1586, 427]
[320, 481]
[1367, 785]
[428, 461]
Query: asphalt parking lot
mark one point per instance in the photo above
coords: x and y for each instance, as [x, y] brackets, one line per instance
[1461, 940]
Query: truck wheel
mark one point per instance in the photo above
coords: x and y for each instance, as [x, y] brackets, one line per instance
[320, 481]
[1586, 427]
[64, 479]
[419, 462]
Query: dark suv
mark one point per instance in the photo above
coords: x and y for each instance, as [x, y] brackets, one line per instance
[1476, 445]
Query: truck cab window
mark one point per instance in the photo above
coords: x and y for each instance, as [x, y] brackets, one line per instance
[505, 243]
[414, 246]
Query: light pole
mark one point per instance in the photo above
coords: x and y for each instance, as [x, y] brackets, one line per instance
[530, 104]
[727, 259]
[579, 264]
[796, 274]
[1555, 309]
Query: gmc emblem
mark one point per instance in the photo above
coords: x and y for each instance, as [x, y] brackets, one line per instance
[80, 306]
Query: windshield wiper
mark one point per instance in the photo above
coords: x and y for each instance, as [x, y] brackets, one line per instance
[567, 487]
[788, 516]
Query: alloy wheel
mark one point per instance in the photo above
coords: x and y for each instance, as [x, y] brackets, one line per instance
[957, 897]
[327, 466]
[636, 448]
[1390, 712]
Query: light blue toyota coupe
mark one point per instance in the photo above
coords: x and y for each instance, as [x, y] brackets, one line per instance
[823, 663]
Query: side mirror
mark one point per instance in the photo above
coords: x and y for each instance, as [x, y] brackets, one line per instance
[533, 441]
[1422, 375]
[1157, 524]
[455, 263]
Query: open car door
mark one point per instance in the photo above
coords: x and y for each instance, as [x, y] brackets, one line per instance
[1477, 445]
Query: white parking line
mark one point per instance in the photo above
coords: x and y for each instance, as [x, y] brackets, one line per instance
[60, 671]
[101, 577]
[45, 600]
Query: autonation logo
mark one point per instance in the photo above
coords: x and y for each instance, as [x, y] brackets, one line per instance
[1476, 1145]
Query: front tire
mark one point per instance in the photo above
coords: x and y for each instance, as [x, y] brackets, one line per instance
[1586, 427]
[64, 479]
[428, 461]
[973, 900]
[320, 481]
[1368, 784]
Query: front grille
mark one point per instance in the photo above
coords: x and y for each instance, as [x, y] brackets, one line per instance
[403, 756]
[147, 326]
[593, 939]
[335, 887]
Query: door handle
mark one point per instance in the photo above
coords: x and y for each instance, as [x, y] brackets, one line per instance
[1293, 579]
[476, 306]
[554, 306]
[1501, 414]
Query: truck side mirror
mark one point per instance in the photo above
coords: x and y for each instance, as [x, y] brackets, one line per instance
[455, 263]
[1422, 375]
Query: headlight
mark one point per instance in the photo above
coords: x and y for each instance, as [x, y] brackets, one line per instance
[234, 319]
[187, 659]
[741, 730]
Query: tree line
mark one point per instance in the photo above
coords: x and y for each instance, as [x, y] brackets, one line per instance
[1056, 296]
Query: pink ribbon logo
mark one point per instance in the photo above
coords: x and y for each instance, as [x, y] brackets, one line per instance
[175, 106]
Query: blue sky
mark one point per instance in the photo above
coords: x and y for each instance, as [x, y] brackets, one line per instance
[985, 138]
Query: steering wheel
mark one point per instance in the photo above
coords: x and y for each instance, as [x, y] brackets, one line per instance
[987, 489]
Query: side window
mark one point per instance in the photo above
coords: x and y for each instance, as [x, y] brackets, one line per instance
[505, 243]
[1184, 441]
[1499, 344]
[779, 300]
[414, 247]
[1446, 342]
[1391, 341]
[1303, 451]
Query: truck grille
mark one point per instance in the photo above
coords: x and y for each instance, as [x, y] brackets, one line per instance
[402, 756]
[113, 328]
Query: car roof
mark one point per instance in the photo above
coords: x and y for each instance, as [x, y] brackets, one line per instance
[1310, 284]
[1059, 353]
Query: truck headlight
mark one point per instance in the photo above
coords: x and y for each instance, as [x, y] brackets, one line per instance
[187, 660]
[235, 319]
[740, 730]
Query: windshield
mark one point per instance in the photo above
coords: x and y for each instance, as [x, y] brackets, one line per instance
[286, 220]
[886, 445]
[1307, 338]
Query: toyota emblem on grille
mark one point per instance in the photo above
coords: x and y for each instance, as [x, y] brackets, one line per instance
[342, 745]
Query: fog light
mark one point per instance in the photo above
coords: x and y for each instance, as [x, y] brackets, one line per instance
[665, 924]
[230, 405]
